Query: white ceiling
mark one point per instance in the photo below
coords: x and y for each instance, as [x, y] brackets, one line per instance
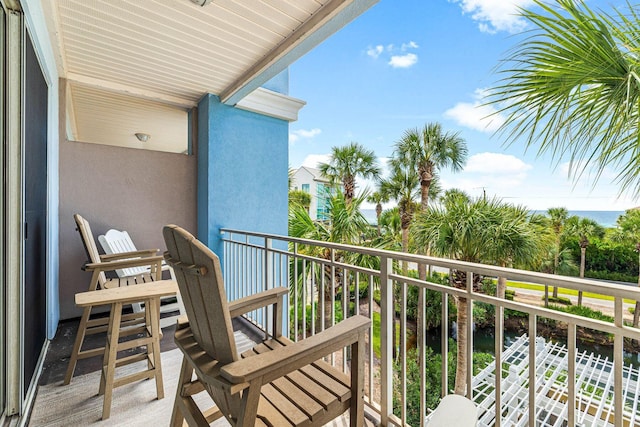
[174, 51]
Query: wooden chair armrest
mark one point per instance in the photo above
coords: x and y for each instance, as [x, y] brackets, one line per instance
[207, 368]
[259, 300]
[127, 293]
[281, 361]
[134, 254]
[117, 264]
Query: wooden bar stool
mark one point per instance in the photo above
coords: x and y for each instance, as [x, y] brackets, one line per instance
[149, 294]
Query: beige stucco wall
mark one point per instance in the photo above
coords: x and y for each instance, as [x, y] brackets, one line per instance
[112, 187]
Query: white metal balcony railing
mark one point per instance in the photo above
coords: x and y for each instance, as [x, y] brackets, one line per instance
[603, 393]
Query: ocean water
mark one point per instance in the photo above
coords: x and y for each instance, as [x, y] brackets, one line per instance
[604, 218]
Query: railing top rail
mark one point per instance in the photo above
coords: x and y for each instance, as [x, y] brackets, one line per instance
[587, 285]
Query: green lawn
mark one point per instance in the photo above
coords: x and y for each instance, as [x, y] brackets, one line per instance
[561, 291]
[376, 333]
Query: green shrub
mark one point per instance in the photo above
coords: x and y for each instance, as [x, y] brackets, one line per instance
[583, 311]
[559, 300]
[363, 291]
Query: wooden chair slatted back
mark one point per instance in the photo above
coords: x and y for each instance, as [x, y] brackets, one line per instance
[201, 285]
[116, 241]
[89, 245]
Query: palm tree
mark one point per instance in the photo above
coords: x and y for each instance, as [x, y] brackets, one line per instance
[476, 230]
[378, 198]
[391, 230]
[348, 162]
[628, 231]
[402, 186]
[572, 88]
[585, 229]
[558, 217]
[428, 150]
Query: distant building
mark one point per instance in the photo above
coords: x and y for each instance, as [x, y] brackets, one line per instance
[311, 181]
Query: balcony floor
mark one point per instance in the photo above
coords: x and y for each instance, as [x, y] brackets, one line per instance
[133, 404]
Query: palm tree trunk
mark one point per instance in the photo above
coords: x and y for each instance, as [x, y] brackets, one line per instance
[378, 214]
[546, 295]
[556, 262]
[501, 291]
[461, 361]
[583, 252]
[348, 186]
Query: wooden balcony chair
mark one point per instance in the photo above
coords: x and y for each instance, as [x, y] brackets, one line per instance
[98, 265]
[118, 242]
[278, 382]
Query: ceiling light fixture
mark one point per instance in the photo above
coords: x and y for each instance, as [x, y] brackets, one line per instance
[201, 2]
[142, 137]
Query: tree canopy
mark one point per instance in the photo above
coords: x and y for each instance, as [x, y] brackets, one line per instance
[571, 87]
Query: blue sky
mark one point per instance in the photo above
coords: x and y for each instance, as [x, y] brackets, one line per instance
[405, 63]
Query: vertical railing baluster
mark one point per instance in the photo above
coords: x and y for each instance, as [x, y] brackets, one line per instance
[321, 296]
[268, 280]
[313, 298]
[499, 334]
[444, 344]
[357, 295]
[532, 369]
[295, 291]
[237, 277]
[253, 285]
[571, 374]
[422, 362]
[333, 298]
[386, 336]
[469, 325]
[371, 358]
[245, 262]
[303, 299]
[618, 363]
[403, 353]
[345, 310]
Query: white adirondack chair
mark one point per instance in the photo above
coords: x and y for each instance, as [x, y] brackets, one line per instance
[115, 242]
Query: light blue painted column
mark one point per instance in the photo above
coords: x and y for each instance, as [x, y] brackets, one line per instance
[242, 172]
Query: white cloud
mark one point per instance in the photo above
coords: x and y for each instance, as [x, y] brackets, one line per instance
[294, 136]
[313, 160]
[496, 164]
[410, 45]
[475, 115]
[489, 174]
[403, 61]
[375, 51]
[308, 133]
[495, 15]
